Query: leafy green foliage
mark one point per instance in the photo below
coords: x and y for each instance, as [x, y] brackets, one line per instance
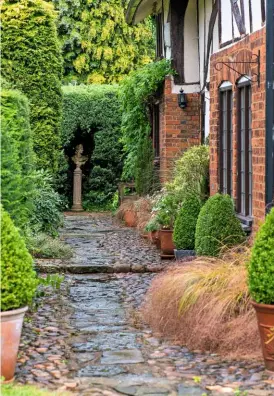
[31, 61]
[167, 209]
[17, 157]
[145, 176]
[152, 225]
[136, 93]
[44, 246]
[46, 216]
[26, 390]
[191, 174]
[185, 224]
[18, 278]
[217, 226]
[261, 267]
[92, 117]
[98, 45]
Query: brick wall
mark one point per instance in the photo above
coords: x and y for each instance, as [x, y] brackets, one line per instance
[179, 129]
[241, 51]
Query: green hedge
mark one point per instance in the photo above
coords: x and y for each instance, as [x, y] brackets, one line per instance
[261, 267]
[217, 226]
[185, 224]
[17, 157]
[18, 278]
[32, 62]
[92, 116]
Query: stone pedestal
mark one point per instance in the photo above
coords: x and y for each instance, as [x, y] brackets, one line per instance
[77, 190]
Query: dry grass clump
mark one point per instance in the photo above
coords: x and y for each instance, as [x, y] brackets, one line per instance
[142, 209]
[205, 305]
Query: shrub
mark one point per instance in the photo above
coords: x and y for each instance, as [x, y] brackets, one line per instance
[205, 304]
[261, 267]
[32, 62]
[152, 225]
[17, 157]
[46, 216]
[185, 224]
[44, 246]
[18, 278]
[92, 117]
[217, 226]
[191, 174]
[166, 210]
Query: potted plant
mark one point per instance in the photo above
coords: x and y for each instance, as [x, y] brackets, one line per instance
[261, 286]
[18, 285]
[185, 226]
[166, 214]
[152, 228]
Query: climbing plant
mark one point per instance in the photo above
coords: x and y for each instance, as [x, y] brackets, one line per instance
[136, 92]
[98, 45]
[32, 62]
[92, 117]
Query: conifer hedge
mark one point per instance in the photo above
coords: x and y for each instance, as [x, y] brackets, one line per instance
[32, 62]
[17, 156]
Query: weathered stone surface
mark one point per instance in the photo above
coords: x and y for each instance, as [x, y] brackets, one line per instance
[101, 371]
[127, 356]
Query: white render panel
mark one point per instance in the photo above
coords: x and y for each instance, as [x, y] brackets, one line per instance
[256, 15]
[208, 15]
[215, 40]
[246, 19]
[167, 40]
[226, 21]
[201, 39]
[207, 113]
[191, 88]
[235, 27]
[191, 54]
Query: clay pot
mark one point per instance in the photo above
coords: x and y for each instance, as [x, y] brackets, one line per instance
[11, 327]
[167, 245]
[265, 318]
[130, 218]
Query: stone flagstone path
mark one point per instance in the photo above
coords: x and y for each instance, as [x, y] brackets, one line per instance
[87, 337]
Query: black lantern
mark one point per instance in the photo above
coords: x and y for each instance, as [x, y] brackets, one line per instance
[182, 102]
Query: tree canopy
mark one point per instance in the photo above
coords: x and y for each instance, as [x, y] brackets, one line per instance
[98, 45]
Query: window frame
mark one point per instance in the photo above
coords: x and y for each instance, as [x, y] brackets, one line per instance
[244, 186]
[226, 93]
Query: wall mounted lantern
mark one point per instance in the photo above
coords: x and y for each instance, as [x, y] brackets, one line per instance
[182, 101]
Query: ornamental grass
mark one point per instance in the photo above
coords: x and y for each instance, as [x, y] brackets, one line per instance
[204, 304]
[142, 209]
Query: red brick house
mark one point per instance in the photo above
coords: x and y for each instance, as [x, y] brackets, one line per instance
[218, 49]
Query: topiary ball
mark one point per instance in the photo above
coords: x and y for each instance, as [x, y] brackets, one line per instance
[261, 267]
[185, 224]
[217, 226]
[18, 278]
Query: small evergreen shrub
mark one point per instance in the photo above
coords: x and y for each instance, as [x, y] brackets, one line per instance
[32, 62]
[44, 246]
[185, 224]
[18, 278]
[261, 267]
[217, 226]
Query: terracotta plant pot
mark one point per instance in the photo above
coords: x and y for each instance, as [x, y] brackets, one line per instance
[167, 245]
[11, 327]
[265, 318]
[130, 218]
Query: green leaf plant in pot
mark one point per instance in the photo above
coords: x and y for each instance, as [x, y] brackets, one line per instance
[18, 286]
[185, 226]
[166, 214]
[152, 228]
[261, 286]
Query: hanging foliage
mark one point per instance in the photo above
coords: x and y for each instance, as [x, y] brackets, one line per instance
[98, 45]
[92, 117]
[136, 92]
[31, 62]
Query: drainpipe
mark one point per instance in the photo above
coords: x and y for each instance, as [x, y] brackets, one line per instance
[269, 134]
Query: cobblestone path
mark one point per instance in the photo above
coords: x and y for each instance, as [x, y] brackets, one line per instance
[87, 337]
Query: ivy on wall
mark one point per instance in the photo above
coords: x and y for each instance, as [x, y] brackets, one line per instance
[92, 117]
[32, 62]
[98, 45]
[17, 157]
[137, 90]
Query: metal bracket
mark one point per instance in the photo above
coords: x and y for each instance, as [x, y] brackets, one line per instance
[255, 60]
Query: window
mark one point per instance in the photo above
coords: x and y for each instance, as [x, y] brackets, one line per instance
[244, 163]
[225, 142]
[159, 35]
